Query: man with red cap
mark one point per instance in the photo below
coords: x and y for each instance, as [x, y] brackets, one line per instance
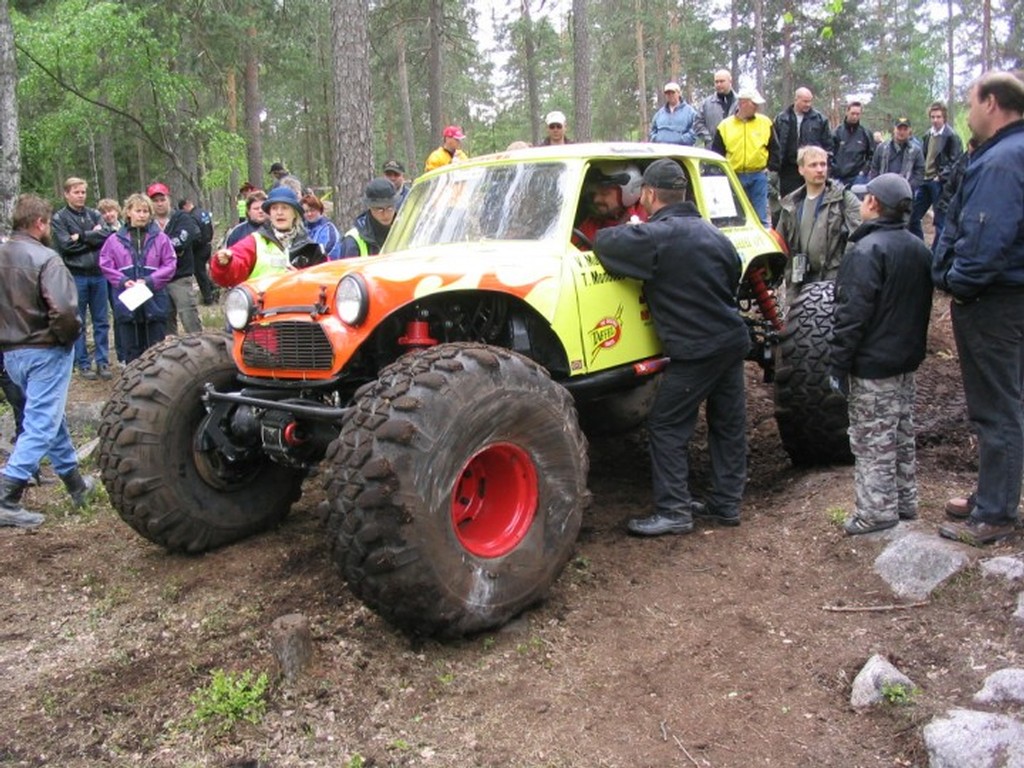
[183, 230]
[450, 150]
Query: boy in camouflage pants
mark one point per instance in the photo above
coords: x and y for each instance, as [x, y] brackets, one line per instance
[883, 302]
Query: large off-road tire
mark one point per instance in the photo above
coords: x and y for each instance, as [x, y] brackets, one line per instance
[171, 493]
[812, 420]
[456, 489]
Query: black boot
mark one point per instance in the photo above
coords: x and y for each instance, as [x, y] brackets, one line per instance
[11, 511]
[81, 488]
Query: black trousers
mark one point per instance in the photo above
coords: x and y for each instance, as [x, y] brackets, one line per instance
[686, 384]
[989, 337]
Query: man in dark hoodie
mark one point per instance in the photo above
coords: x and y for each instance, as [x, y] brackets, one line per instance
[372, 225]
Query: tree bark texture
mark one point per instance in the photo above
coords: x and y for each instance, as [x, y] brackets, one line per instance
[353, 145]
[581, 71]
[10, 147]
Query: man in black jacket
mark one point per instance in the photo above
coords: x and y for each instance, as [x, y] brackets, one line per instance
[690, 272]
[941, 148]
[183, 230]
[883, 302]
[79, 234]
[39, 324]
[797, 126]
[853, 148]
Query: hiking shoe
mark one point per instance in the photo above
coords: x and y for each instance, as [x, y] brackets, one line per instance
[87, 373]
[81, 487]
[658, 525]
[977, 533]
[104, 372]
[856, 525]
[908, 514]
[960, 508]
[702, 512]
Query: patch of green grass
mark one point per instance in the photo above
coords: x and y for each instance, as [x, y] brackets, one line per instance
[898, 694]
[836, 516]
[229, 699]
[356, 761]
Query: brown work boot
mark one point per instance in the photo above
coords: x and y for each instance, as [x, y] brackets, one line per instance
[960, 507]
[977, 533]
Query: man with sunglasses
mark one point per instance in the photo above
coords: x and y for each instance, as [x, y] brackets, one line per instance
[555, 121]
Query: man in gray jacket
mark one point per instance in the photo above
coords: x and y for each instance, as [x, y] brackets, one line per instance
[39, 324]
[715, 108]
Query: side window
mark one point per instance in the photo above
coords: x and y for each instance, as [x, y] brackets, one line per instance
[721, 199]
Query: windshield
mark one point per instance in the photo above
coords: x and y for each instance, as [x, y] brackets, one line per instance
[507, 202]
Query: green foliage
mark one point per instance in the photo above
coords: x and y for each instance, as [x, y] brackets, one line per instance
[836, 515]
[228, 699]
[898, 694]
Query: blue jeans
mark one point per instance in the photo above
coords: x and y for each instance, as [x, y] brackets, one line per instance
[44, 375]
[927, 195]
[93, 298]
[756, 186]
[989, 337]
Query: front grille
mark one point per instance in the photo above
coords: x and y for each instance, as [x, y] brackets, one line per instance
[292, 345]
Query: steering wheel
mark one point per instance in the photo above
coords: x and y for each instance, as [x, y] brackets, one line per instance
[583, 239]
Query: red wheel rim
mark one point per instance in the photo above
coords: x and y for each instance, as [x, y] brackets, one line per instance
[495, 500]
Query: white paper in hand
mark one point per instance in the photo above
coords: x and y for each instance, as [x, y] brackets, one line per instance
[136, 296]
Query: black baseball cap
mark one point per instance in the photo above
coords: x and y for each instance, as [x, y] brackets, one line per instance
[890, 189]
[665, 174]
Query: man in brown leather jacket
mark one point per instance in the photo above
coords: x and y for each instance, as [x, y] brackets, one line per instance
[39, 323]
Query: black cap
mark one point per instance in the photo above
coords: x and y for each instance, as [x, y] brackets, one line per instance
[891, 189]
[665, 174]
[393, 166]
[278, 168]
[901, 121]
[379, 193]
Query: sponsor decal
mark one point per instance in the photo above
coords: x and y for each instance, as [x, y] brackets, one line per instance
[605, 334]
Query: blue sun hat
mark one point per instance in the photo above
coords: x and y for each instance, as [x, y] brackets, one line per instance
[284, 195]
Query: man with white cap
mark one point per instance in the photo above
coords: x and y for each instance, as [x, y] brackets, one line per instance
[555, 121]
[674, 122]
[747, 140]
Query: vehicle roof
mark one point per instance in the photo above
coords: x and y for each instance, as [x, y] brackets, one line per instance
[598, 150]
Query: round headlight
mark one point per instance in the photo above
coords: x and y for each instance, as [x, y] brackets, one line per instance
[351, 300]
[238, 308]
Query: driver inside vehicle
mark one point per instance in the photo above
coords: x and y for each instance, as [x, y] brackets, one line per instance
[611, 197]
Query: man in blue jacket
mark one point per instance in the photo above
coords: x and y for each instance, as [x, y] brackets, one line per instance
[980, 261]
[674, 123]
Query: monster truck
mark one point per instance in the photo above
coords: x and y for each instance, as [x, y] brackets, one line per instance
[436, 386]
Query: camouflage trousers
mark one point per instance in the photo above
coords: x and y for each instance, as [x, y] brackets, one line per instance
[882, 441]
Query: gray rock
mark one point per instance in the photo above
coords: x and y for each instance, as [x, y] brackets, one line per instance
[917, 563]
[867, 686]
[976, 739]
[1010, 568]
[1004, 685]
[1019, 613]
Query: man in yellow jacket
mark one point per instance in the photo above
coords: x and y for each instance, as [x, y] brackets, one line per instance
[450, 150]
[747, 140]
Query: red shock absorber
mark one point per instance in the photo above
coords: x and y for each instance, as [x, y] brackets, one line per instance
[417, 335]
[765, 298]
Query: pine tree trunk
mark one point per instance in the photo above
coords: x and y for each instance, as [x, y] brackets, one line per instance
[10, 146]
[581, 71]
[353, 146]
[254, 153]
[408, 133]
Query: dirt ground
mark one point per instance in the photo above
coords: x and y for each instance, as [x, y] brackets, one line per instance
[714, 649]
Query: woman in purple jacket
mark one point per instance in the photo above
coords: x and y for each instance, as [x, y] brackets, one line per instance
[139, 252]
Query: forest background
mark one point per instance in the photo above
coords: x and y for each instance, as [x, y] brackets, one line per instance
[206, 94]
